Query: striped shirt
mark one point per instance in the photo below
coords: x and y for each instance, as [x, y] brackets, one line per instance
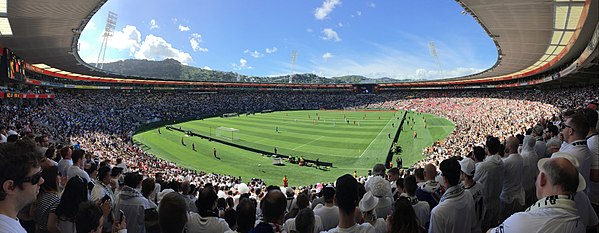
[47, 203]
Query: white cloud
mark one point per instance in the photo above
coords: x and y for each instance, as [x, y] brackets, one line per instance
[326, 8]
[372, 5]
[243, 64]
[359, 13]
[127, 38]
[156, 48]
[254, 54]
[207, 68]
[385, 61]
[271, 50]
[326, 56]
[174, 20]
[195, 41]
[183, 28]
[153, 24]
[340, 24]
[330, 34]
[309, 30]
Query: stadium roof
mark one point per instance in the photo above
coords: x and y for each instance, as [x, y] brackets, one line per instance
[530, 36]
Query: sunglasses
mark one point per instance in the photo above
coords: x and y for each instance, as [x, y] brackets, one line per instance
[563, 126]
[34, 179]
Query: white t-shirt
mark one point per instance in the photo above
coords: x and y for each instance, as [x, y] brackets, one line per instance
[63, 166]
[477, 195]
[454, 215]
[381, 225]
[585, 209]
[74, 170]
[543, 217]
[290, 224]
[123, 166]
[8, 224]
[423, 212]
[362, 228]
[583, 155]
[329, 216]
[197, 223]
[512, 180]
[489, 174]
[593, 144]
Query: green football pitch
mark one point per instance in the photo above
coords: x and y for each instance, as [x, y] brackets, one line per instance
[350, 140]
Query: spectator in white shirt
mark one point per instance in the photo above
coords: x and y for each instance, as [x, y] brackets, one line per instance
[121, 164]
[540, 145]
[172, 213]
[20, 177]
[475, 189]
[455, 212]
[329, 213]
[346, 198]
[489, 174]
[304, 222]
[65, 162]
[593, 144]
[367, 208]
[303, 202]
[553, 142]
[556, 184]
[530, 171]
[207, 220]
[575, 129]
[78, 159]
[421, 208]
[512, 194]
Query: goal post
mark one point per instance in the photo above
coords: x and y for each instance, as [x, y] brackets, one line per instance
[227, 133]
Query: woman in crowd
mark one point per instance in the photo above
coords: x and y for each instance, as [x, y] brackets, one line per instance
[403, 219]
[47, 201]
[74, 193]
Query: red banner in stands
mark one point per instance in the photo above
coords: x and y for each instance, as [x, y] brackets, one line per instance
[14, 95]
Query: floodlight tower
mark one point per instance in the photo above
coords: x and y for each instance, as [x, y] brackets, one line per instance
[108, 32]
[293, 57]
[433, 51]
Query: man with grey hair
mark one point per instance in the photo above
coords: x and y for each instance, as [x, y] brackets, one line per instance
[555, 211]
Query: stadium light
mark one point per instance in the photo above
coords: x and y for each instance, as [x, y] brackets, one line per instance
[108, 32]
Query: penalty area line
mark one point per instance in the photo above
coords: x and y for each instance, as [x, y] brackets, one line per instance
[308, 143]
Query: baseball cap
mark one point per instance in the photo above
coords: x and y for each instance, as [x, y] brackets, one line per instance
[467, 166]
[581, 183]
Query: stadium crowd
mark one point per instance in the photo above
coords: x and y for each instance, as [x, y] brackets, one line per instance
[510, 150]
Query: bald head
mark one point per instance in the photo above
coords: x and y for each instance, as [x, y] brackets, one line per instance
[557, 176]
[430, 171]
[273, 207]
[512, 144]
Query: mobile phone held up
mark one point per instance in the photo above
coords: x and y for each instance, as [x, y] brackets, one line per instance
[105, 198]
[121, 215]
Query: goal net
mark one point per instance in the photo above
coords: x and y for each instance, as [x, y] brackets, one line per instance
[227, 133]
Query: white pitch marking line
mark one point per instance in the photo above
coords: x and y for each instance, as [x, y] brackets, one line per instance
[308, 142]
[376, 137]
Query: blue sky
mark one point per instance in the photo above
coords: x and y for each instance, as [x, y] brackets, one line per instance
[332, 37]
